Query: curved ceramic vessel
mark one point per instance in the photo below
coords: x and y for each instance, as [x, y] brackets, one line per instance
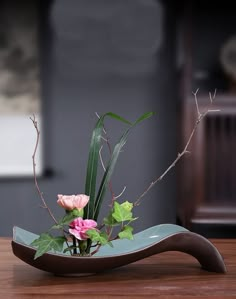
[154, 240]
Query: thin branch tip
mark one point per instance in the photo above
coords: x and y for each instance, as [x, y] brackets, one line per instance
[195, 93]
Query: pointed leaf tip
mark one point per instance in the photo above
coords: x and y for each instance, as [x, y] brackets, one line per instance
[143, 117]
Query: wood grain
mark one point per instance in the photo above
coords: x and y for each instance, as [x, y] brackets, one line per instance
[160, 276]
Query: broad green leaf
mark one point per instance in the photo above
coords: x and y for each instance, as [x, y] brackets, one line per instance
[93, 159]
[47, 242]
[121, 214]
[126, 233]
[96, 236]
[110, 220]
[111, 165]
[68, 218]
[127, 205]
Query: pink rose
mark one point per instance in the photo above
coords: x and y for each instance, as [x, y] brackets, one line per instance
[70, 202]
[80, 226]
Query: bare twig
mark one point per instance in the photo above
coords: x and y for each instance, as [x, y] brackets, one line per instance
[100, 156]
[35, 123]
[45, 206]
[101, 159]
[212, 97]
[184, 151]
[196, 102]
[121, 193]
[214, 94]
[96, 250]
[103, 166]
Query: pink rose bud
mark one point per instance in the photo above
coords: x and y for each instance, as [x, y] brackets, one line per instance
[79, 227]
[70, 202]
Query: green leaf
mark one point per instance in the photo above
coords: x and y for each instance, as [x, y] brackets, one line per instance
[97, 236]
[47, 242]
[118, 117]
[68, 218]
[69, 248]
[111, 165]
[143, 117]
[126, 233]
[93, 159]
[121, 214]
[127, 205]
[110, 220]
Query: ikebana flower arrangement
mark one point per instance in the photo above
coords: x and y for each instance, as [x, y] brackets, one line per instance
[78, 232]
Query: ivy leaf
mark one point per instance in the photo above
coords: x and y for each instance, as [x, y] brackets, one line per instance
[100, 237]
[121, 213]
[127, 205]
[110, 220]
[68, 218]
[47, 242]
[126, 233]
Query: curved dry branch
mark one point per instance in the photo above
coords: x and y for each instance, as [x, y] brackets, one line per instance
[200, 117]
[35, 123]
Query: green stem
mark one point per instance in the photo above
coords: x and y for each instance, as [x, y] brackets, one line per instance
[74, 245]
[89, 243]
[83, 247]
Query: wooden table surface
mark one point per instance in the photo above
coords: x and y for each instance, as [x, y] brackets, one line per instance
[167, 275]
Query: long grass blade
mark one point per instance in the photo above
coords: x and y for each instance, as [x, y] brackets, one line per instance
[93, 159]
[111, 165]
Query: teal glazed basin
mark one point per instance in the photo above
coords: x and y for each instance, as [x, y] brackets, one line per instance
[154, 240]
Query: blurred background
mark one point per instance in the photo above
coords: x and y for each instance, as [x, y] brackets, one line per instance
[64, 61]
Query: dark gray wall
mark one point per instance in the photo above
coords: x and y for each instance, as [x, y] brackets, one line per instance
[100, 56]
